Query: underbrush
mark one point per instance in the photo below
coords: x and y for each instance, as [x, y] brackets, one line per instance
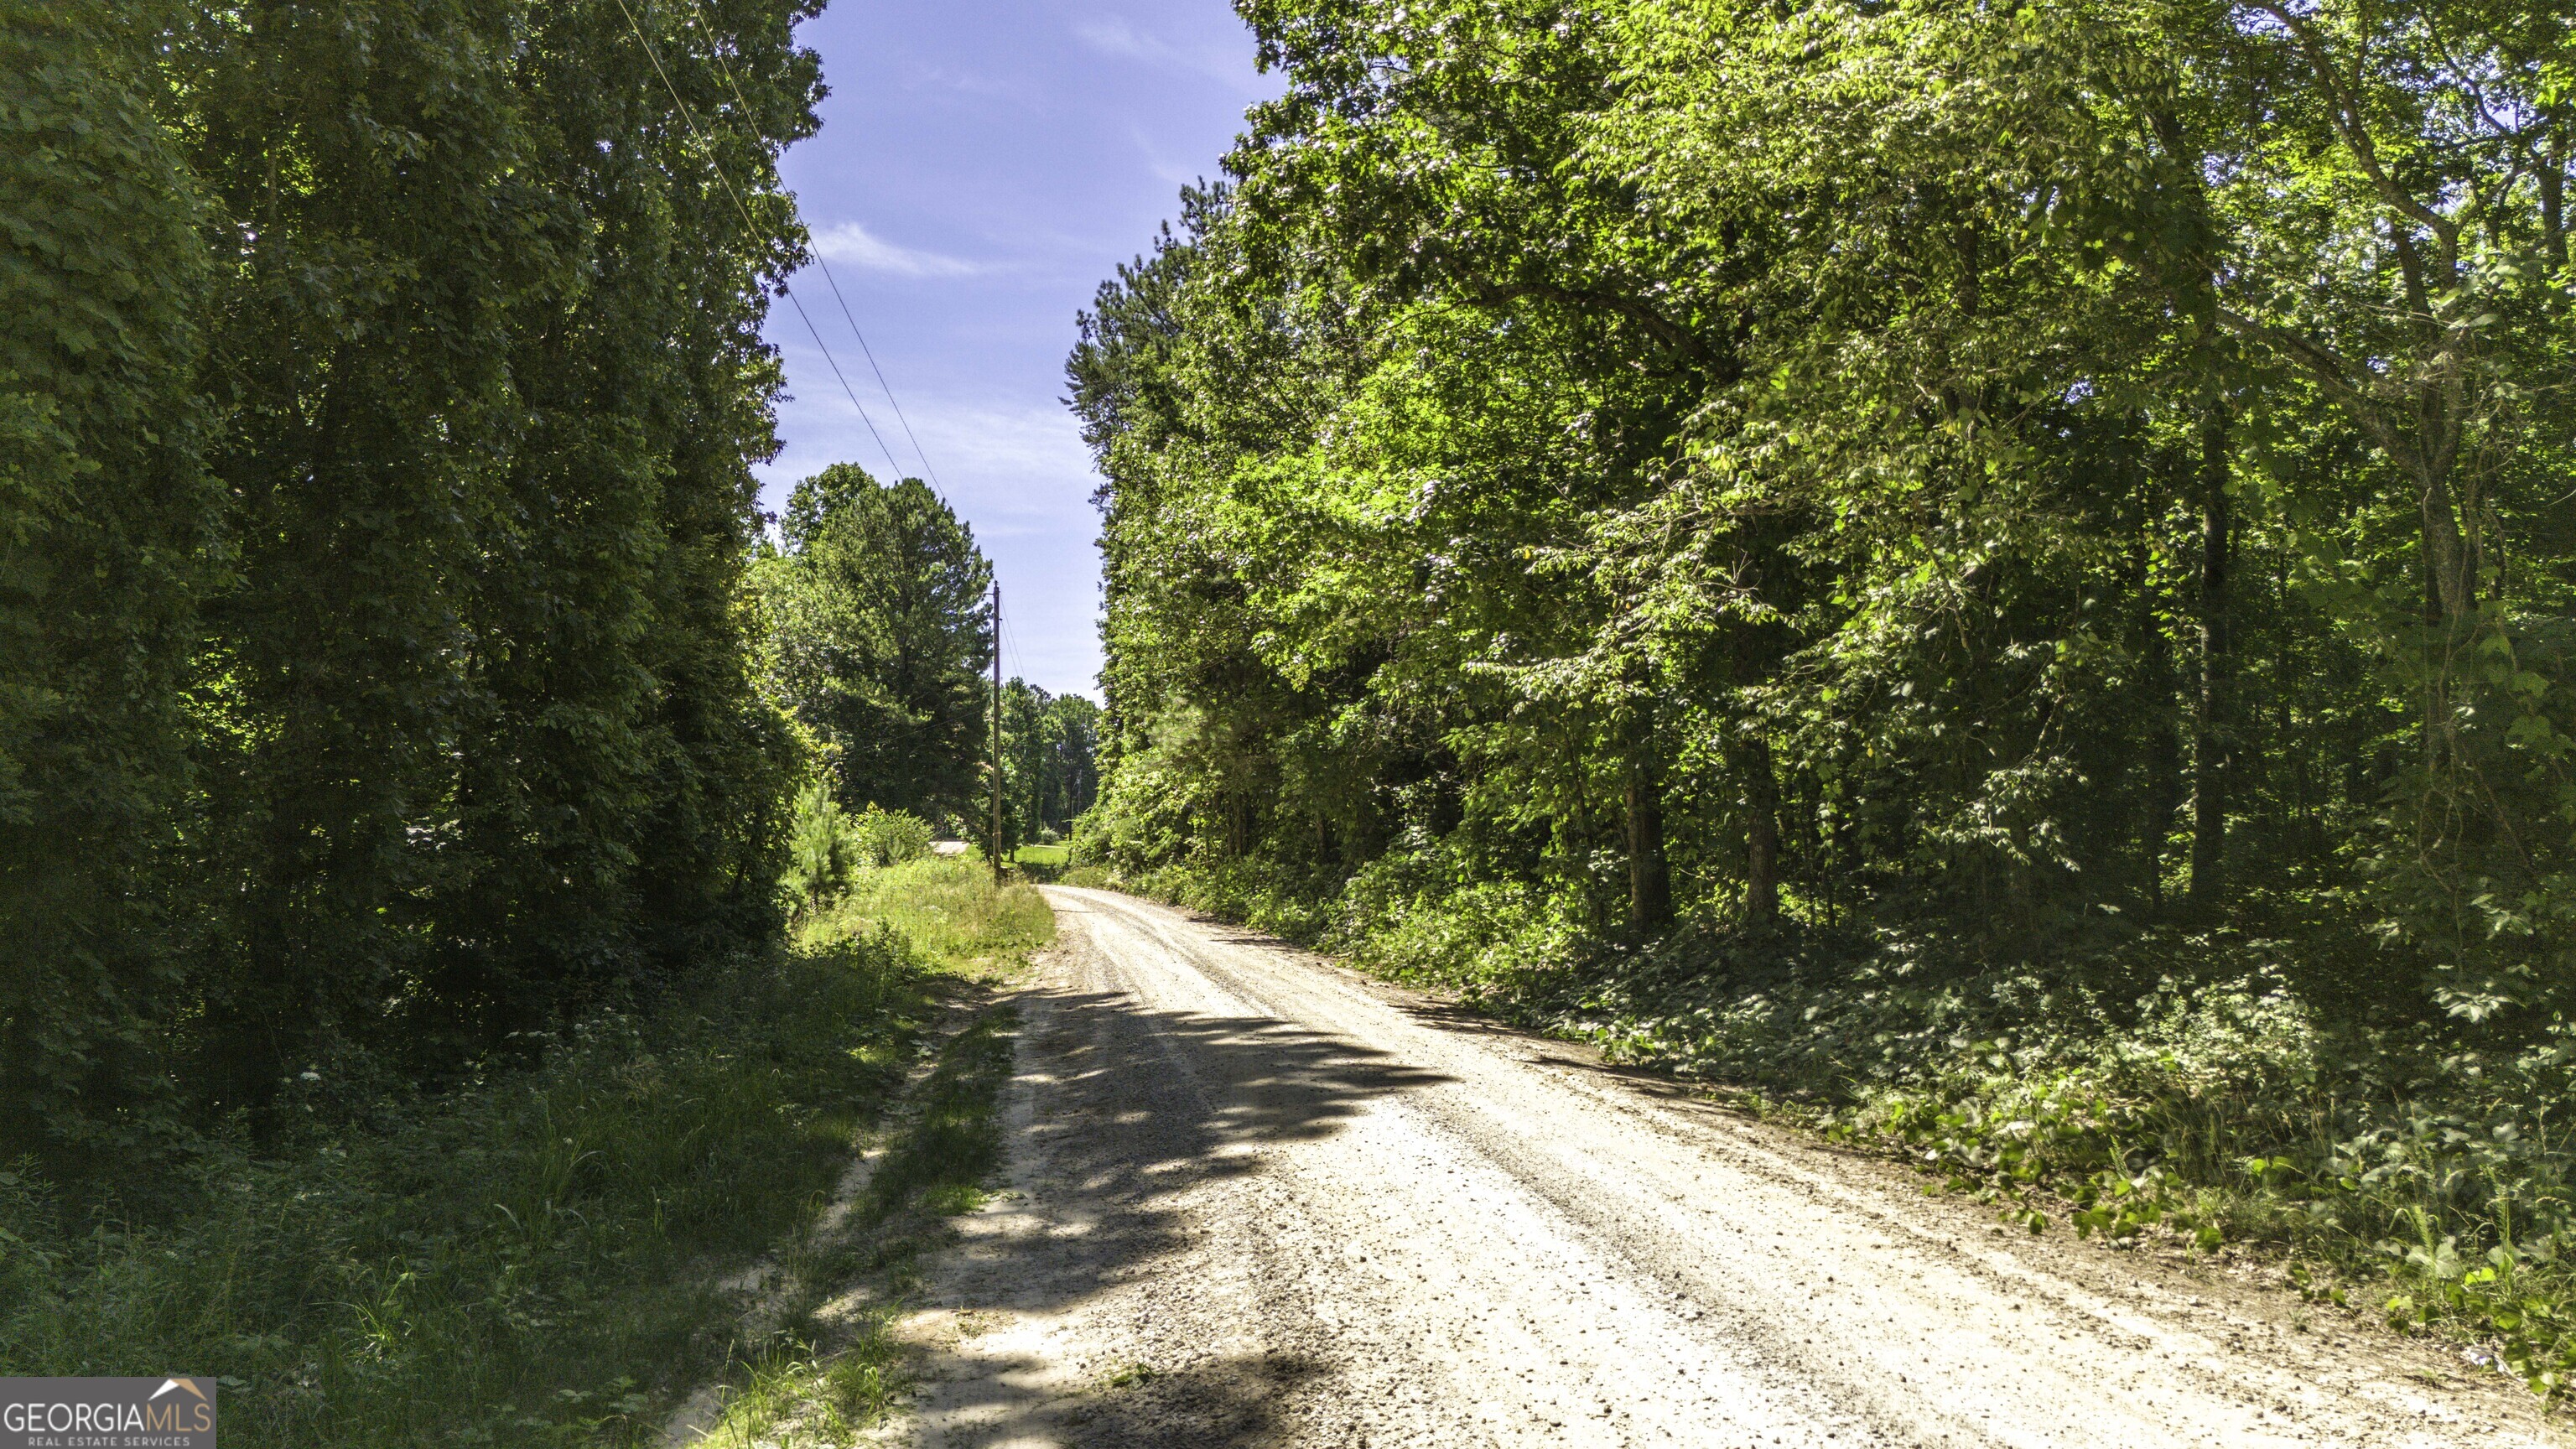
[533, 1259]
[2402, 1173]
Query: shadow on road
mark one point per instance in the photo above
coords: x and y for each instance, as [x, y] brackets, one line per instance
[1130, 1107]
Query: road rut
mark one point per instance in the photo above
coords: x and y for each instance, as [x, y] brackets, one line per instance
[1254, 1199]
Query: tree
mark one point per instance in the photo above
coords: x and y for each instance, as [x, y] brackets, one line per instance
[1788, 469]
[109, 533]
[881, 630]
[378, 394]
[1049, 771]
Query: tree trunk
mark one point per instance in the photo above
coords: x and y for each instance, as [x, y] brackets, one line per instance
[2164, 735]
[1761, 834]
[2553, 187]
[2210, 738]
[1650, 892]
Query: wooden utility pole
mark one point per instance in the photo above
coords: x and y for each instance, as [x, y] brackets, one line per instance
[997, 733]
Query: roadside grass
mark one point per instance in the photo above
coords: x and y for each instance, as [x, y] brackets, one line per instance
[1052, 856]
[833, 1368]
[947, 908]
[533, 1259]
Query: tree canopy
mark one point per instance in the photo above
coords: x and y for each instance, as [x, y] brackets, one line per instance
[2035, 487]
[880, 630]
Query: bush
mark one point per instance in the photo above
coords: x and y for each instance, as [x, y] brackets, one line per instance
[891, 837]
[824, 848]
[2223, 1109]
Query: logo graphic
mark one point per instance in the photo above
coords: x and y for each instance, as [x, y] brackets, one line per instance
[152, 1413]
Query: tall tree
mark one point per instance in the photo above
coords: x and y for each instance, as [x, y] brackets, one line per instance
[1845, 464]
[109, 527]
[382, 379]
[881, 628]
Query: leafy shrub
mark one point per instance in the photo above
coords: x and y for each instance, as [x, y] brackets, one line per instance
[2223, 1109]
[891, 837]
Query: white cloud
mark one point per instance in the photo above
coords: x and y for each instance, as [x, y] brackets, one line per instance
[850, 242]
[1017, 471]
[1015, 442]
[1112, 35]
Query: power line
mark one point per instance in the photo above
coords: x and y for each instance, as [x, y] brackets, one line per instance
[753, 228]
[697, 16]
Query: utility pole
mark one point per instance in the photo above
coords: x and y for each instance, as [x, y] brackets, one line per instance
[997, 733]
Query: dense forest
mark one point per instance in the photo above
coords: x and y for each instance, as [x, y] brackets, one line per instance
[383, 384]
[397, 665]
[1859, 548]
[417, 982]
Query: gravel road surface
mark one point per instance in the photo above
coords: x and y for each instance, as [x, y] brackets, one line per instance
[1255, 1199]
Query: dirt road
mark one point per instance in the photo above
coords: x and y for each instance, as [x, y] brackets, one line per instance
[1254, 1199]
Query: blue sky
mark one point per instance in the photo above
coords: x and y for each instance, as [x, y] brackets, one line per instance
[982, 166]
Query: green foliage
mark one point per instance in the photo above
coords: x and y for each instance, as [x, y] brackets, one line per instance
[378, 388]
[534, 1259]
[949, 908]
[824, 848]
[529, 1261]
[1049, 771]
[108, 535]
[1832, 545]
[890, 837]
[2439, 1187]
[879, 633]
[1579, 448]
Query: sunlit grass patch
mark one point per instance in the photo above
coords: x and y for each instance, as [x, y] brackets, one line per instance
[949, 909]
